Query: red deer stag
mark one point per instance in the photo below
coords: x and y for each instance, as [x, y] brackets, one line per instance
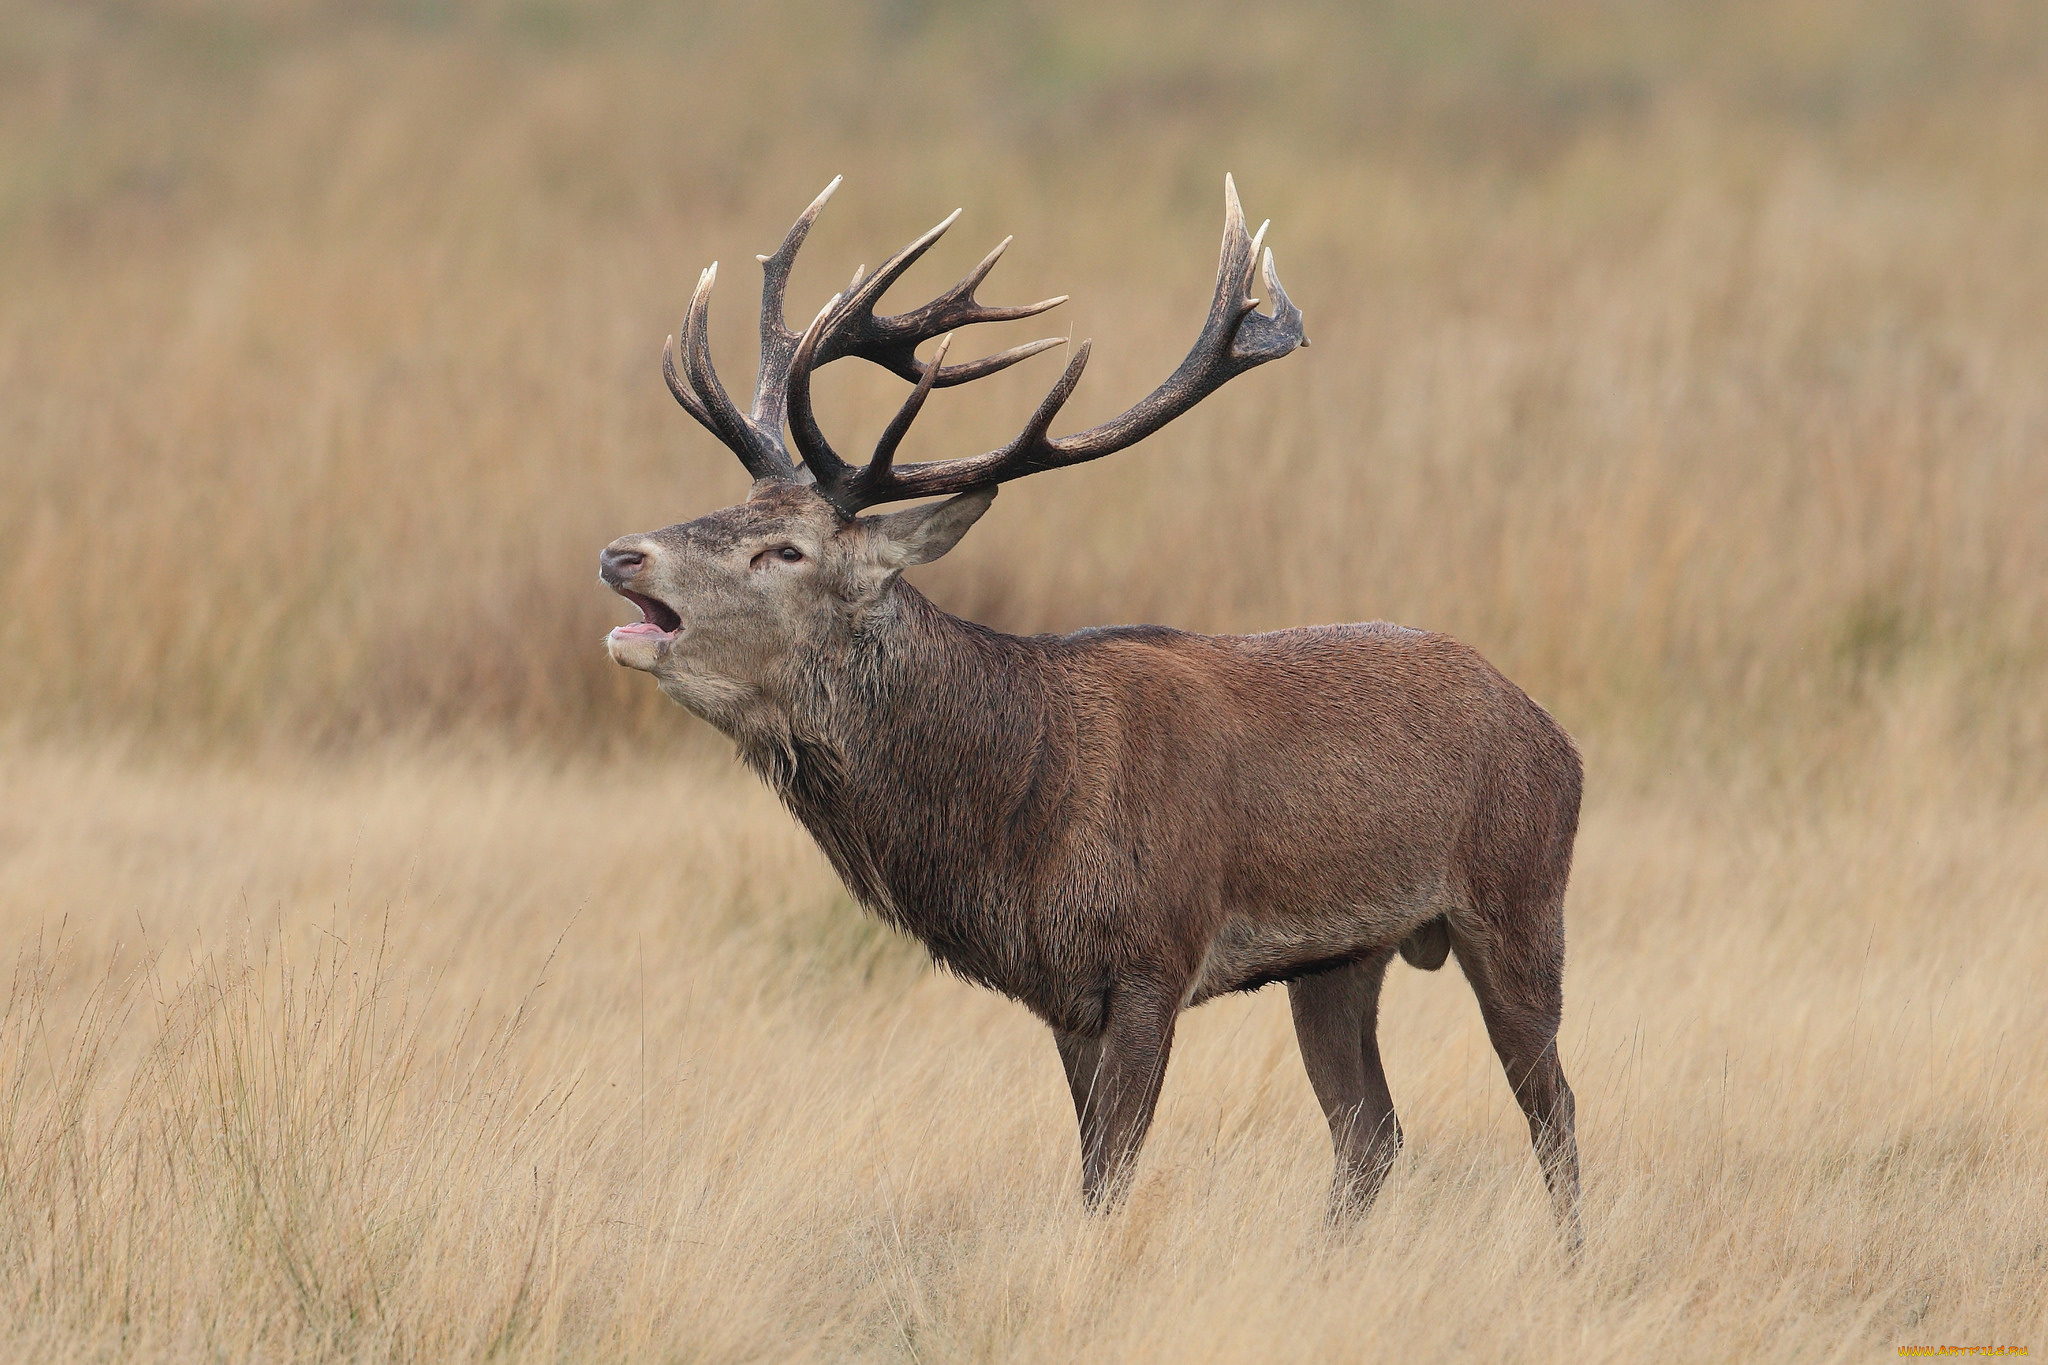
[1115, 825]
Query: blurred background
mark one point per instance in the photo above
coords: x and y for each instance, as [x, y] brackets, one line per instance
[1687, 358]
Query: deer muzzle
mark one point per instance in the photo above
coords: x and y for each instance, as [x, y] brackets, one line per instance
[638, 644]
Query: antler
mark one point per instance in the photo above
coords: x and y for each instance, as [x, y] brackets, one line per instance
[890, 342]
[1234, 338]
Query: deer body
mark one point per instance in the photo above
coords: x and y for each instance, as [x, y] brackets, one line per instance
[1054, 814]
[1115, 825]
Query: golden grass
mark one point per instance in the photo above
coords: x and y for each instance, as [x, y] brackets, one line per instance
[1687, 359]
[434, 1059]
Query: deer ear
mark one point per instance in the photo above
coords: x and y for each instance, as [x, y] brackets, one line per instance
[902, 540]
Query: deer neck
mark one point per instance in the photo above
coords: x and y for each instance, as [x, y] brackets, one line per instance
[925, 758]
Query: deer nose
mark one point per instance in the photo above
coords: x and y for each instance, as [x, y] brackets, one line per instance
[616, 565]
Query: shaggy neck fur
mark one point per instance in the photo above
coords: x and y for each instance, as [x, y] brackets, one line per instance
[918, 756]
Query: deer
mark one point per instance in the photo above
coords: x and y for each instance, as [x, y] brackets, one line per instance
[1116, 825]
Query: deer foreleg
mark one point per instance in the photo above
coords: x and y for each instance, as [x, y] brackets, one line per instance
[1114, 1077]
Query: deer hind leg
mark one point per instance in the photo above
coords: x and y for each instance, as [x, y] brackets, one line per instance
[1518, 976]
[1336, 1021]
[1114, 1077]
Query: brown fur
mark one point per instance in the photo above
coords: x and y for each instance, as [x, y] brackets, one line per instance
[1115, 825]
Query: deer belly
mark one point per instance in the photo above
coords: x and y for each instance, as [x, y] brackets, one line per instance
[1257, 949]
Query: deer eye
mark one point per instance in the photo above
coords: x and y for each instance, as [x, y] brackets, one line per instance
[789, 554]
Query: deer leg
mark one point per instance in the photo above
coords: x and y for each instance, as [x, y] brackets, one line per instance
[1336, 1021]
[1520, 985]
[1114, 1077]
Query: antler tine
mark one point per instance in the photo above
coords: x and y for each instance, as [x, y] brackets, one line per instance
[821, 462]
[775, 267]
[1015, 460]
[891, 270]
[778, 342]
[760, 451]
[1234, 338]
[892, 341]
[987, 365]
[963, 293]
[681, 390]
[1284, 311]
[899, 425]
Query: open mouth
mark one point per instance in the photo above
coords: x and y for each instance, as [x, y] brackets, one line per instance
[658, 620]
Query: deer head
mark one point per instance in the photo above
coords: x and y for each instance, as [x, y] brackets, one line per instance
[733, 601]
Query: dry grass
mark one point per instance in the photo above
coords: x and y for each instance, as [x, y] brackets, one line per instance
[428, 1060]
[1685, 358]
